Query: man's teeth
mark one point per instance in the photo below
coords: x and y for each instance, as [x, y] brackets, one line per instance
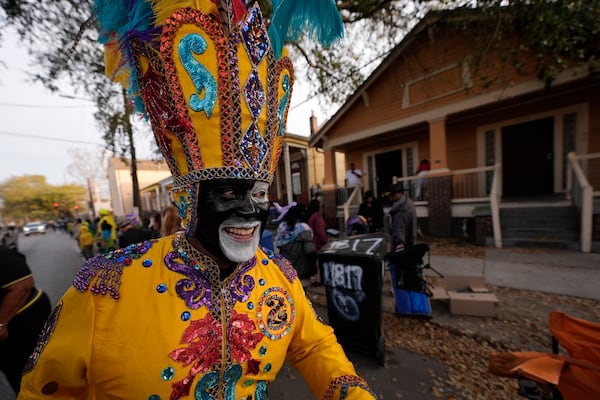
[240, 231]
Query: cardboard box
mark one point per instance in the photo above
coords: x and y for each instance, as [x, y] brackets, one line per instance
[475, 304]
[467, 295]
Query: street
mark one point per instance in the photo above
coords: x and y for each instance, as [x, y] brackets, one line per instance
[53, 258]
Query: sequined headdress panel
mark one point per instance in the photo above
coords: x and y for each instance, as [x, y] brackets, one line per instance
[213, 80]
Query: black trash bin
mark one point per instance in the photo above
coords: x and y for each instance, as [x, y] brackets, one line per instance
[352, 272]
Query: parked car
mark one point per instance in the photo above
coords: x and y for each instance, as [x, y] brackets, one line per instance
[34, 227]
[9, 235]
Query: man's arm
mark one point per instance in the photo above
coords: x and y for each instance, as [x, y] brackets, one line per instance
[320, 359]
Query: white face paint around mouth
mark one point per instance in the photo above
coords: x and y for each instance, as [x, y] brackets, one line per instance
[239, 240]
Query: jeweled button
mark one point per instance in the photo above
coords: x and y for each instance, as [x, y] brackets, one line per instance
[168, 373]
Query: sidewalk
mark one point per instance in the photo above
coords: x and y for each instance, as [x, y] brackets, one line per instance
[558, 272]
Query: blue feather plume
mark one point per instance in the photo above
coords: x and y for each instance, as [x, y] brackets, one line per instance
[319, 19]
[122, 22]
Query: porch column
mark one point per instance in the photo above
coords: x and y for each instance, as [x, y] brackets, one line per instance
[439, 182]
[437, 144]
[328, 188]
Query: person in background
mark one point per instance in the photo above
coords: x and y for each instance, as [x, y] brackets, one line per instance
[23, 312]
[155, 225]
[422, 171]
[317, 224]
[353, 176]
[352, 179]
[403, 215]
[130, 234]
[86, 236]
[204, 313]
[170, 221]
[294, 239]
[106, 234]
[372, 211]
[319, 229]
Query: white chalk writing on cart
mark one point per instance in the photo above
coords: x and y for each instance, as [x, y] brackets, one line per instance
[365, 246]
[342, 275]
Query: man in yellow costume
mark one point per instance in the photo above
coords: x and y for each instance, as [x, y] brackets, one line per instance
[106, 235]
[201, 314]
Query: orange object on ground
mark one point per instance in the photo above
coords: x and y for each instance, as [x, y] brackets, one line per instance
[577, 376]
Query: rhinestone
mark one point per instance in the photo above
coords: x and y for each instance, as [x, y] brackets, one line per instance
[185, 316]
[147, 263]
[161, 288]
[168, 373]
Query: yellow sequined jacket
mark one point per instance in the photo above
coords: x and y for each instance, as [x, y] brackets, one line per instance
[154, 321]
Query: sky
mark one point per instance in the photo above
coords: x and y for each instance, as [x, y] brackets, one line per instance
[39, 130]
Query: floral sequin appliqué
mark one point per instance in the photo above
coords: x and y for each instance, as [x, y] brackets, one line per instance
[203, 351]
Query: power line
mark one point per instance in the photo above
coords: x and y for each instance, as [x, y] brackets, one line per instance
[339, 79]
[53, 139]
[41, 105]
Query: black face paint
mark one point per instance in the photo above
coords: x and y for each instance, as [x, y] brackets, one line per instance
[237, 201]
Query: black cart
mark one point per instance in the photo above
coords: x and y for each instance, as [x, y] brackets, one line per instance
[352, 271]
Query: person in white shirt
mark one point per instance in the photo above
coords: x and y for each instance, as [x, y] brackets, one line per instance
[353, 176]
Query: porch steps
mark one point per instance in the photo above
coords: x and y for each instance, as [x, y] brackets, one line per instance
[543, 227]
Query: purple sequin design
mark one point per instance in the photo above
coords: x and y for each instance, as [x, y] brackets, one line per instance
[241, 286]
[285, 266]
[101, 275]
[195, 289]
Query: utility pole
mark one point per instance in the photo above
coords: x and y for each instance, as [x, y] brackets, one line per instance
[91, 196]
[137, 201]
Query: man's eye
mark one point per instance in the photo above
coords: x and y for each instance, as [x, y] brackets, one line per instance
[260, 195]
[229, 194]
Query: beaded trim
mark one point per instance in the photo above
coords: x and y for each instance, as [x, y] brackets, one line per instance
[44, 338]
[344, 383]
[101, 275]
[179, 182]
[285, 266]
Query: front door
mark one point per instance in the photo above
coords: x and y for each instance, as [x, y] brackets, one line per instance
[528, 158]
[387, 165]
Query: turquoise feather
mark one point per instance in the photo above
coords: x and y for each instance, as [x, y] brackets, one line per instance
[320, 20]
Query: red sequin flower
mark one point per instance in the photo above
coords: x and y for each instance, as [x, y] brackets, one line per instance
[203, 351]
[242, 337]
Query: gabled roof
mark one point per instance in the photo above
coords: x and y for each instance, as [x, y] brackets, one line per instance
[430, 19]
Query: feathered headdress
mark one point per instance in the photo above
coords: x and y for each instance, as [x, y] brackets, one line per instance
[213, 79]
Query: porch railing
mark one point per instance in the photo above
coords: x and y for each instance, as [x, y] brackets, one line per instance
[354, 199]
[468, 185]
[481, 184]
[582, 192]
